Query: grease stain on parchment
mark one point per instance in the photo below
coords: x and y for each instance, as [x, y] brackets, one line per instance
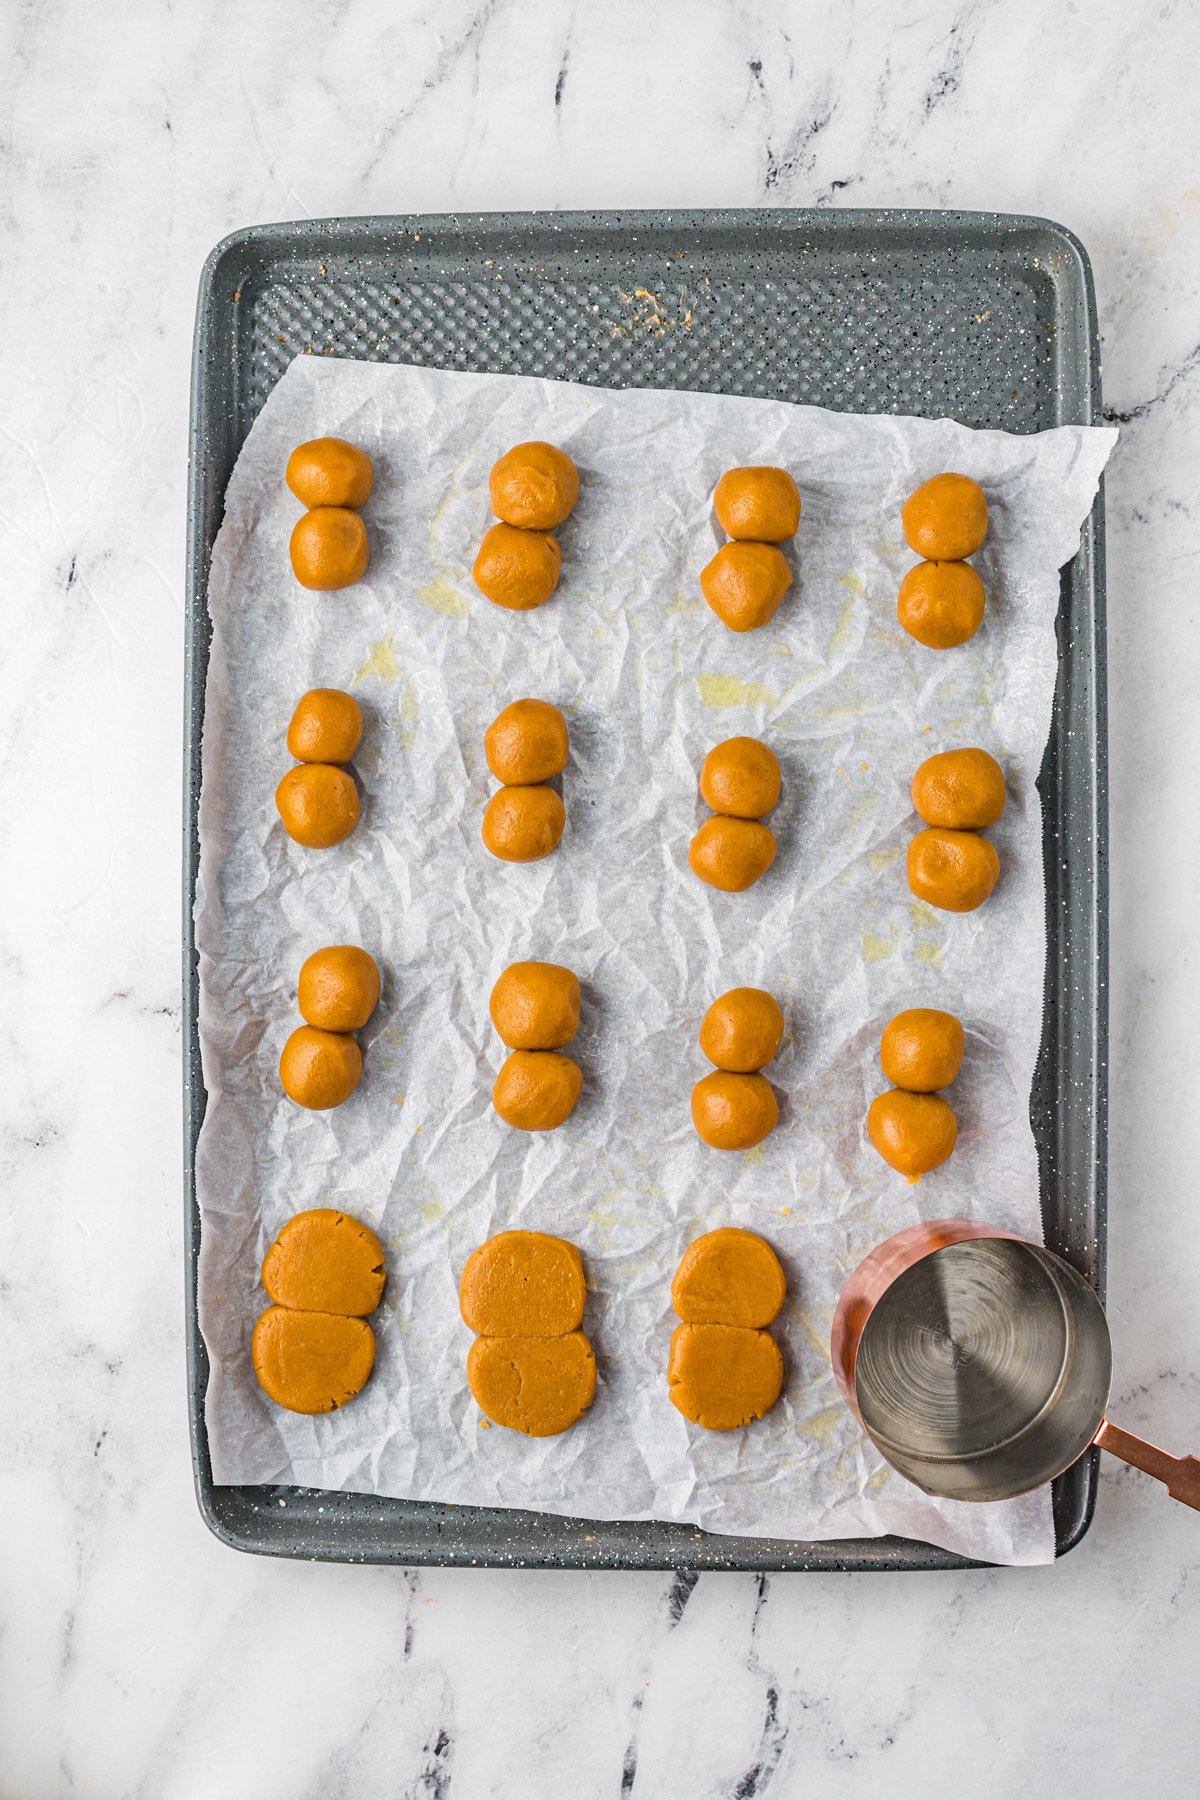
[382, 662]
[441, 596]
[721, 691]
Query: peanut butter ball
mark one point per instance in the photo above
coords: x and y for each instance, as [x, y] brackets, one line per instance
[328, 471]
[741, 777]
[745, 583]
[318, 805]
[534, 486]
[759, 503]
[941, 604]
[329, 548]
[731, 854]
[326, 727]
[523, 824]
[946, 518]
[961, 789]
[954, 870]
[516, 569]
[338, 988]
[527, 743]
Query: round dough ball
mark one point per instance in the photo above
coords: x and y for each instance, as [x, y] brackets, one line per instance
[318, 805]
[523, 1284]
[744, 584]
[731, 854]
[536, 1385]
[523, 824]
[326, 727]
[742, 1030]
[913, 1133]
[535, 1006]
[325, 1261]
[517, 569]
[963, 789]
[728, 1277]
[946, 519]
[319, 1069]
[338, 988]
[527, 743]
[534, 486]
[328, 471]
[941, 604]
[760, 503]
[734, 1112]
[741, 778]
[922, 1049]
[723, 1376]
[955, 870]
[329, 548]
[536, 1090]
[311, 1362]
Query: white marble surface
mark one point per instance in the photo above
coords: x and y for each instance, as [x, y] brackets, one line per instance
[138, 1656]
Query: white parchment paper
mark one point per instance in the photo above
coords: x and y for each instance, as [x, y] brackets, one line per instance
[649, 681]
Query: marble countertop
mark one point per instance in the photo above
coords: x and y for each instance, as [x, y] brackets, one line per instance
[140, 1657]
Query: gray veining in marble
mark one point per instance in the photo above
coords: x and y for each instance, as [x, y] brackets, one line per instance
[139, 1657]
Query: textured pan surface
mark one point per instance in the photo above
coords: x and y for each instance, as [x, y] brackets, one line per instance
[984, 318]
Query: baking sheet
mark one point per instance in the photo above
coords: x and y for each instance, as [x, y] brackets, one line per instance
[649, 680]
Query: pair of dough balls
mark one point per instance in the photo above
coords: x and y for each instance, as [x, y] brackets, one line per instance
[725, 1368]
[338, 990]
[332, 478]
[526, 746]
[942, 599]
[746, 581]
[313, 1349]
[533, 488]
[911, 1126]
[957, 793]
[535, 1009]
[735, 1108]
[741, 781]
[317, 801]
[530, 1368]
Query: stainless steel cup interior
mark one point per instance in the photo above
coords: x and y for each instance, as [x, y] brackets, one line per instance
[984, 1369]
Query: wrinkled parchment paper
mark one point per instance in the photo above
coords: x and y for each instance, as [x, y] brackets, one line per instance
[649, 681]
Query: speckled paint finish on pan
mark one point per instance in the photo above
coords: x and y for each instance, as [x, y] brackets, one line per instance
[985, 318]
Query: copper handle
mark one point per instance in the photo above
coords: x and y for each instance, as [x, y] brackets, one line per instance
[1180, 1475]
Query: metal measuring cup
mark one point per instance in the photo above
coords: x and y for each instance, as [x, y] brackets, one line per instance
[980, 1364]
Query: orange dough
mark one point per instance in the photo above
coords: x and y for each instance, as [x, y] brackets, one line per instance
[912, 1132]
[761, 503]
[527, 743]
[742, 1030]
[535, 1006]
[744, 584]
[734, 1112]
[523, 824]
[723, 1376]
[534, 486]
[941, 604]
[946, 518]
[328, 471]
[338, 988]
[728, 1277]
[311, 1362]
[326, 727]
[962, 789]
[319, 1069]
[325, 1261]
[741, 777]
[922, 1049]
[517, 569]
[523, 1284]
[329, 548]
[535, 1385]
[318, 804]
[536, 1090]
[731, 854]
[955, 870]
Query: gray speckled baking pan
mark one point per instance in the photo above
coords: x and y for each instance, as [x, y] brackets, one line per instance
[981, 317]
